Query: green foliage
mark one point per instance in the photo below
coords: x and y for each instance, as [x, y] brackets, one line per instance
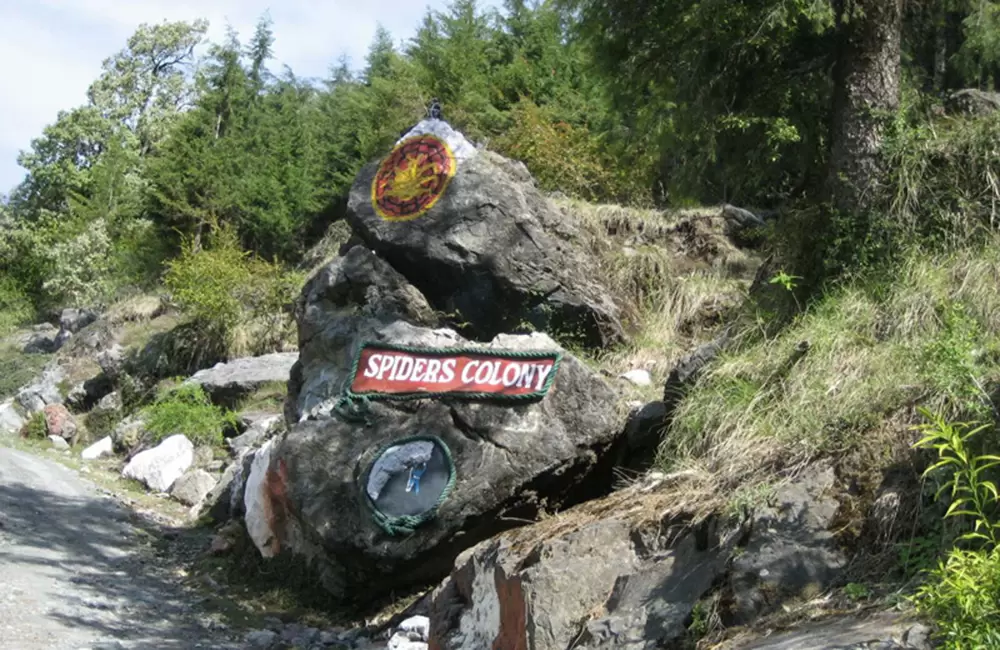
[35, 428]
[238, 301]
[960, 594]
[187, 410]
[972, 494]
[18, 369]
[15, 305]
[855, 591]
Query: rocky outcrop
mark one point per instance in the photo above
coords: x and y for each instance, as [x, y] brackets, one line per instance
[492, 251]
[625, 571]
[605, 575]
[227, 383]
[162, 465]
[790, 553]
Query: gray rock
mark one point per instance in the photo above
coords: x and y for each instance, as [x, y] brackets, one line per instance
[261, 639]
[40, 343]
[162, 465]
[43, 391]
[129, 433]
[882, 631]
[11, 417]
[74, 320]
[225, 499]
[258, 432]
[299, 635]
[193, 486]
[601, 583]
[791, 552]
[227, 383]
[495, 251]
[110, 402]
[972, 101]
[59, 443]
[346, 299]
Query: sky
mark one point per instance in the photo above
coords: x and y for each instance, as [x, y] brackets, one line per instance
[52, 49]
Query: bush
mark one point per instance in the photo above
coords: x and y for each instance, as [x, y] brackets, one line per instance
[187, 410]
[238, 301]
[35, 428]
[961, 592]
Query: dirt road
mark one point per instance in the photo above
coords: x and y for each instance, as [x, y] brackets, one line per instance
[74, 573]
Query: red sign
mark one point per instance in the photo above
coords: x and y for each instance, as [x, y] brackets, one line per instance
[385, 369]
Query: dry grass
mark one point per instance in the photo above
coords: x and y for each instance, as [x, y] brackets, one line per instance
[676, 274]
[927, 336]
[135, 309]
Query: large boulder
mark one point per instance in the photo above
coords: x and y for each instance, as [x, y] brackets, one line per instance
[614, 573]
[59, 421]
[227, 383]
[481, 242]
[511, 459]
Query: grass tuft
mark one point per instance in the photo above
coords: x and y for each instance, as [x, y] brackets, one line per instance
[926, 336]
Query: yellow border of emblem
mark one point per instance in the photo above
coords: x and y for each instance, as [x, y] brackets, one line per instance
[434, 200]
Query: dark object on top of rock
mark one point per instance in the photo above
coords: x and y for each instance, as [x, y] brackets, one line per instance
[434, 110]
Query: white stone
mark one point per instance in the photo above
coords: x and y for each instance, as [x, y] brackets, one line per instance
[58, 442]
[416, 626]
[460, 147]
[255, 501]
[102, 447]
[159, 467]
[638, 377]
[400, 641]
[11, 419]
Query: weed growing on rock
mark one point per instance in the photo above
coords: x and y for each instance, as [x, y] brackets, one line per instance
[187, 410]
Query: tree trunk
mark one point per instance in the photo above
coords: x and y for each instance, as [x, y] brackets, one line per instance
[867, 85]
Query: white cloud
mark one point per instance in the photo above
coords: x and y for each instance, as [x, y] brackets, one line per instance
[53, 49]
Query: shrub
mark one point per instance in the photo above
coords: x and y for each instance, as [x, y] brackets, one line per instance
[961, 592]
[238, 301]
[35, 428]
[187, 410]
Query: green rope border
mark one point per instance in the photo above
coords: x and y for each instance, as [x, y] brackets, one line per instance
[407, 524]
[555, 355]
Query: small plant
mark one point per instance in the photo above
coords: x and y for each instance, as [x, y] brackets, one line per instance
[35, 428]
[187, 410]
[785, 280]
[855, 591]
[971, 493]
[961, 593]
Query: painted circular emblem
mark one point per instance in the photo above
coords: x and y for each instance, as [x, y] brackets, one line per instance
[412, 178]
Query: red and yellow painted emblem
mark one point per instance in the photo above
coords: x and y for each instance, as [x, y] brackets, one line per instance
[412, 178]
